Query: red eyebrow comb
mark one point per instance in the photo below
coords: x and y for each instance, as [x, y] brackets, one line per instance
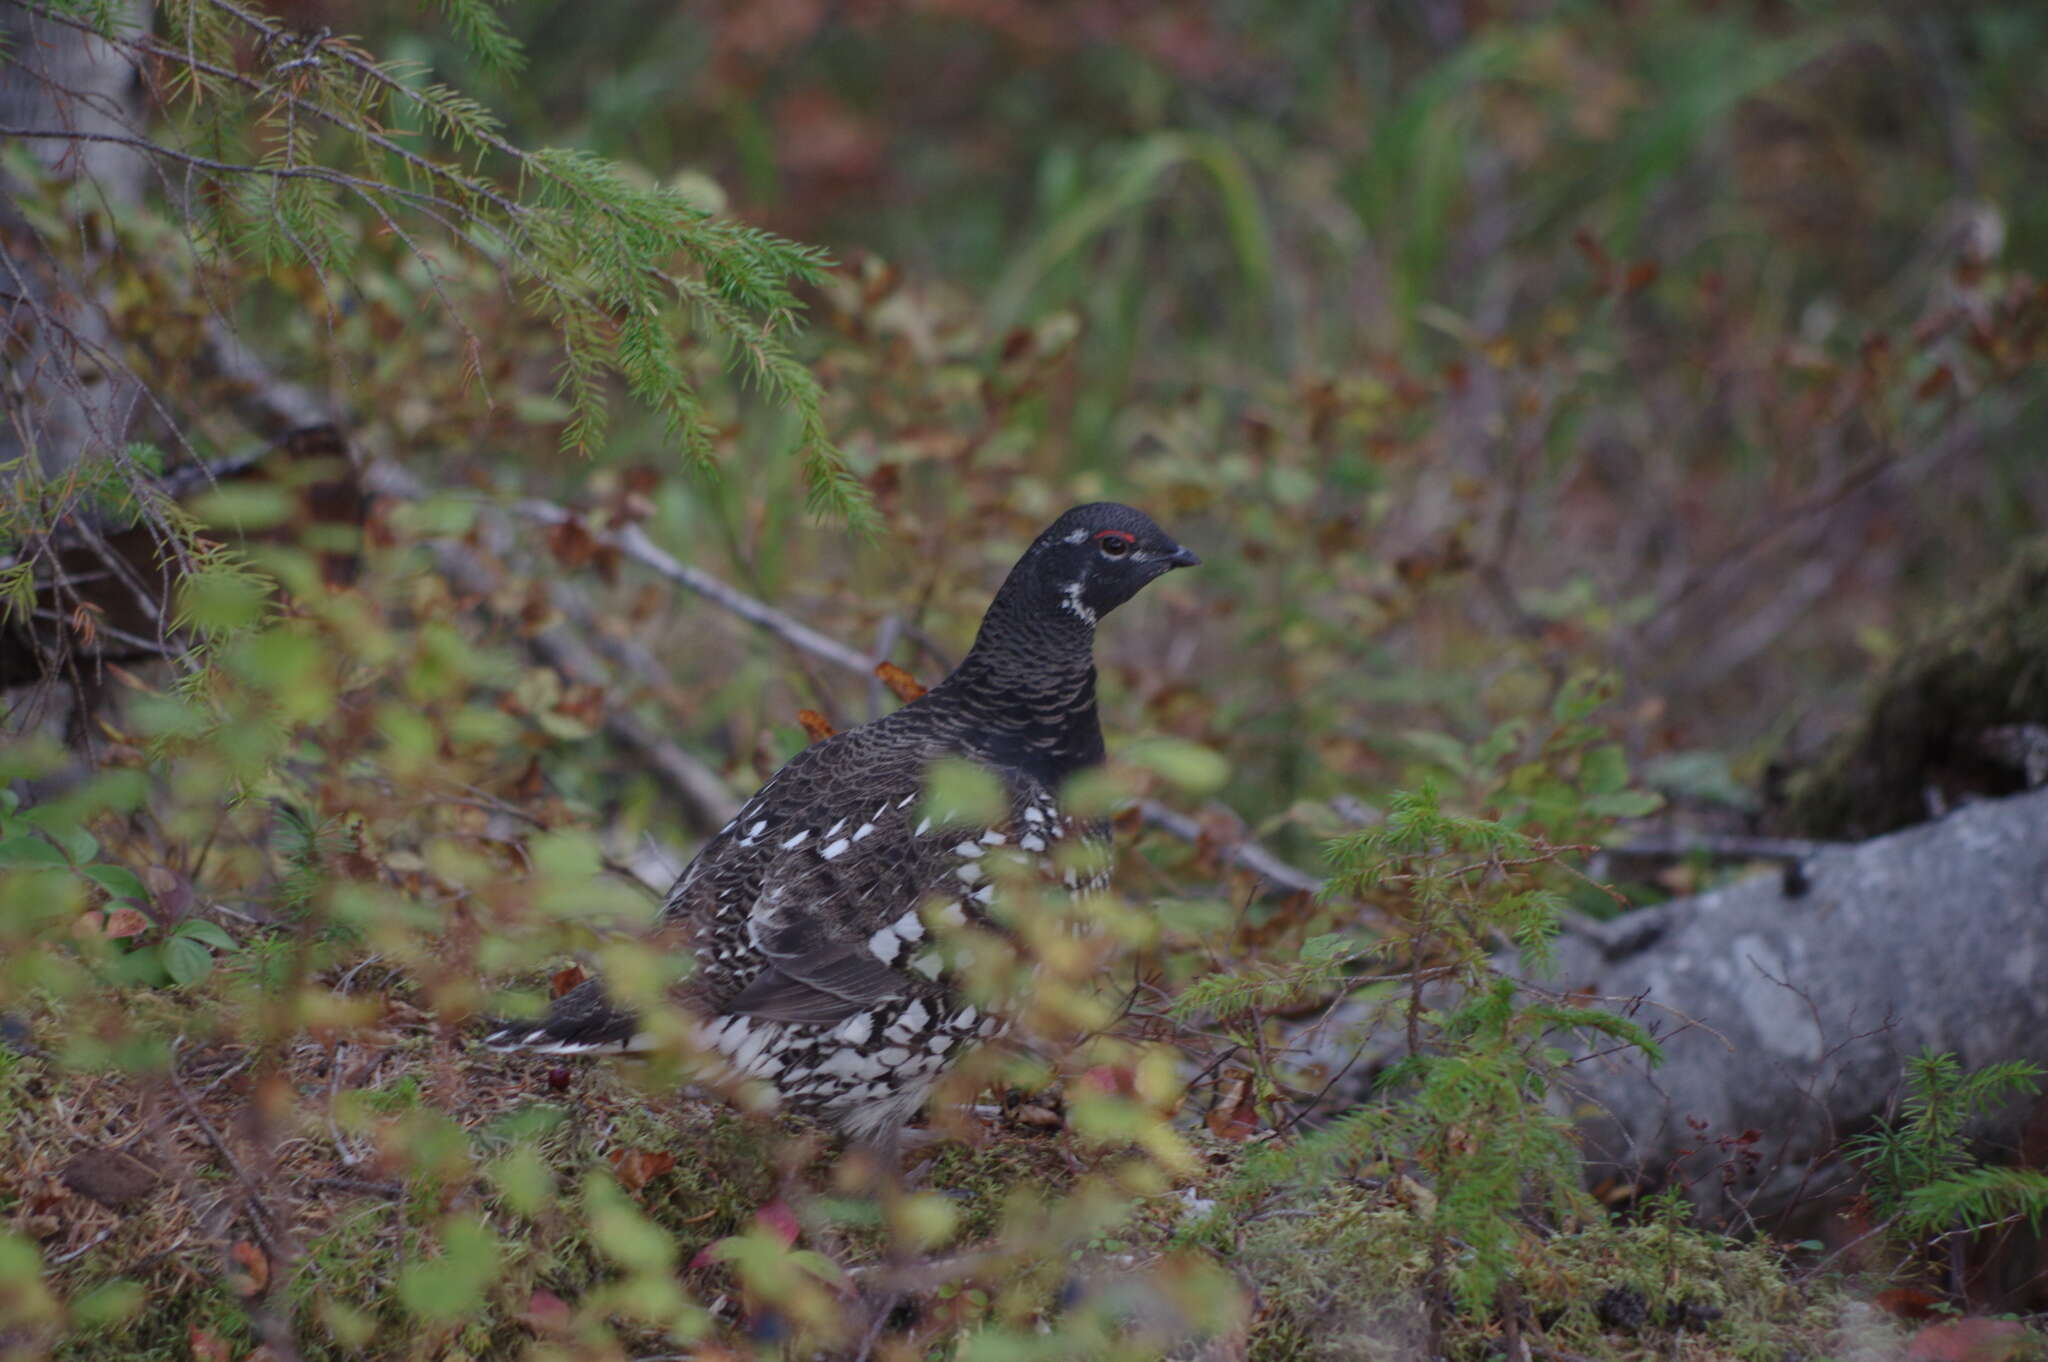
[1124, 535]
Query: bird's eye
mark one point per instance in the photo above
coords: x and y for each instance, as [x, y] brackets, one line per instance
[1115, 543]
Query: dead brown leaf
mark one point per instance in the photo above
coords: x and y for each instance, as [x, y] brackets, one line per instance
[254, 1277]
[905, 686]
[635, 1168]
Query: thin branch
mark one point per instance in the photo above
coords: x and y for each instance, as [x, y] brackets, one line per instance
[633, 542]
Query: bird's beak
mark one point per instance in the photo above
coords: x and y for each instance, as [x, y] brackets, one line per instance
[1183, 558]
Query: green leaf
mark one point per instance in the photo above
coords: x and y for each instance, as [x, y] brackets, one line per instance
[117, 880]
[1440, 749]
[1603, 770]
[1625, 804]
[960, 794]
[1193, 768]
[186, 961]
[31, 853]
[208, 933]
[453, 1285]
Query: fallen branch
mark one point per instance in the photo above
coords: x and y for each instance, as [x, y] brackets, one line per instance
[632, 541]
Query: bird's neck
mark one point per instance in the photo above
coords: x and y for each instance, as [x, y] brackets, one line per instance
[1029, 684]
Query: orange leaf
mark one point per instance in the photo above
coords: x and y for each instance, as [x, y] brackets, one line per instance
[122, 922]
[565, 978]
[816, 726]
[1235, 1115]
[901, 682]
[255, 1273]
[1907, 1302]
[636, 1168]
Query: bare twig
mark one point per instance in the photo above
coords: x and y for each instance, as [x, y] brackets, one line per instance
[632, 541]
[1244, 853]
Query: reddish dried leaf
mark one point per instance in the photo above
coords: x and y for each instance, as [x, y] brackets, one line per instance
[1970, 1340]
[1236, 1113]
[1115, 1080]
[902, 683]
[635, 1168]
[545, 1313]
[780, 1221]
[1045, 1118]
[566, 978]
[1908, 1302]
[571, 543]
[254, 1276]
[1640, 276]
[530, 783]
[1935, 384]
[816, 726]
[169, 891]
[207, 1346]
[1590, 247]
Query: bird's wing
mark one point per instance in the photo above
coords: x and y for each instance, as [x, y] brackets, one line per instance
[807, 908]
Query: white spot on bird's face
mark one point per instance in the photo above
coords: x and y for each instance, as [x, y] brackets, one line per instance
[1070, 598]
[1078, 536]
[885, 944]
[835, 849]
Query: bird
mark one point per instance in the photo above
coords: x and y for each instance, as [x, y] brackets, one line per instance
[815, 916]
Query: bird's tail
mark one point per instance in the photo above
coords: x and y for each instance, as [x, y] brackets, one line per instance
[580, 1022]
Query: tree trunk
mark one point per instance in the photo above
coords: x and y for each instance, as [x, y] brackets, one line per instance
[68, 391]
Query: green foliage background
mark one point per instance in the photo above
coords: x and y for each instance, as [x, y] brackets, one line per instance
[1541, 385]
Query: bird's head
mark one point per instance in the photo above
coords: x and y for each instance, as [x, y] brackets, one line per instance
[1094, 558]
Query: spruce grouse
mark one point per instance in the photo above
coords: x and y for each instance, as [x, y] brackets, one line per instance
[816, 969]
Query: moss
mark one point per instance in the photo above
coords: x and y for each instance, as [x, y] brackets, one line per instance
[1345, 1276]
[1984, 667]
